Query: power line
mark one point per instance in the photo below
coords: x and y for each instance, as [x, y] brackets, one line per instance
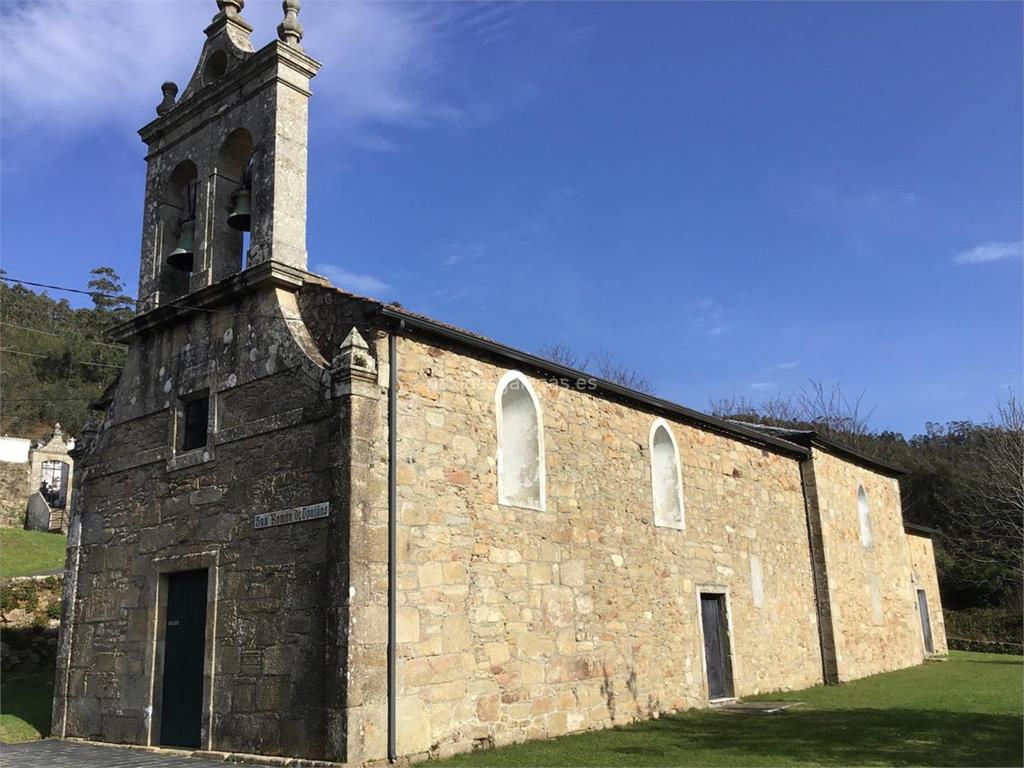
[61, 335]
[237, 313]
[69, 290]
[128, 298]
[45, 399]
[76, 362]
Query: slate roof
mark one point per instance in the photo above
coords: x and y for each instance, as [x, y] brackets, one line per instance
[810, 437]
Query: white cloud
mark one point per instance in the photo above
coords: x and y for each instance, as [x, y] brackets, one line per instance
[718, 330]
[454, 253]
[989, 252]
[761, 385]
[786, 366]
[367, 285]
[71, 66]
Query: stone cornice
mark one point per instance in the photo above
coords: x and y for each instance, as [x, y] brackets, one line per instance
[269, 274]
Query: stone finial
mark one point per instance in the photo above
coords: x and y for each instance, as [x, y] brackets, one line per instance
[290, 30]
[354, 354]
[230, 8]
[170, 92]
[57, 431]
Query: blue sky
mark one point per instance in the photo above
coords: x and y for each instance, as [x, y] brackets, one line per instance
[729, 198]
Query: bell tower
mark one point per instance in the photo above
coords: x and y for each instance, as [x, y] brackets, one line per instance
[226, 159]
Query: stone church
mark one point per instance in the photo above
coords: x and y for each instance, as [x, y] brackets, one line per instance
[315, 525]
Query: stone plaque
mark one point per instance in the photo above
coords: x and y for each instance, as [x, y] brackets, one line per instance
[294, 515]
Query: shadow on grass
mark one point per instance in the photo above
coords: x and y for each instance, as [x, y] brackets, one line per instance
[890, 737]
[846, 737]
[26, 693]
[29, 700]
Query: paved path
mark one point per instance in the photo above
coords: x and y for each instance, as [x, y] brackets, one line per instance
[68, 754]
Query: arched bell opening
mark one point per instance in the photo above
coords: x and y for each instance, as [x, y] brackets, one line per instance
[214, 67]
[232, 204]
[177, 222]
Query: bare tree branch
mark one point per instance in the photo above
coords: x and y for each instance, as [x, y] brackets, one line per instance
[562, 355]
[608, 368]
[605, 366]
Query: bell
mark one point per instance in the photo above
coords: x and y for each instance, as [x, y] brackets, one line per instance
[240, 210]
[182, 257]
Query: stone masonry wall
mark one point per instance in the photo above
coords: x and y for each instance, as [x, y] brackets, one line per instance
[14, 484]
[866, 643]
[148, 510]
[515, 623]
[922, 557]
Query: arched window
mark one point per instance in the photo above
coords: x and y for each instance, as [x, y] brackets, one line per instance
[666, 478]
[866, 537]
[53, 482]
[520, 443]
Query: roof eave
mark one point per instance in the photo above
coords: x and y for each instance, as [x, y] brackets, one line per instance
[852, 454]
[921, 530]
[697, 418]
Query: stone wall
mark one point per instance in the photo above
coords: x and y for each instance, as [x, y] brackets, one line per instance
[515, 623]
[922, 558]
[14, 485]
[871, 596]
[148, 509]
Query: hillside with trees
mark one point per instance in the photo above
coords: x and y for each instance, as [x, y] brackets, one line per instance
[55, 359]
[965, 479]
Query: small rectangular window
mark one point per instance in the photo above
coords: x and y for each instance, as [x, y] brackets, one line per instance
[197, 416]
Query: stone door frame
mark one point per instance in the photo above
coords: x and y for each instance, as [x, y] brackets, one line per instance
[716, 589]
[158, 589]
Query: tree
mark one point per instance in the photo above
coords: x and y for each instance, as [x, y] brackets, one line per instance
[606, 367]
[828, 410]
[971, 476]
[58, 359]
[107, 291]
[563, 355]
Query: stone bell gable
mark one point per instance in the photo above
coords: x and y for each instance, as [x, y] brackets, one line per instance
[241, 123]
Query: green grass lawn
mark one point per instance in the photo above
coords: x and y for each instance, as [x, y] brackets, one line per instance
[23, 553]
[965, 711]
[25, 708]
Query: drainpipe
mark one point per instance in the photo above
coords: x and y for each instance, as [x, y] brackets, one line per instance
[392, 532]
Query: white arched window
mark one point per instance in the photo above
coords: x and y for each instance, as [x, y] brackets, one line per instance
[866, 537]
[520, 443]
[666, 478]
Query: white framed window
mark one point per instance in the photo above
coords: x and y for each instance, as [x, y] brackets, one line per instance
[520, 443]
[864, 512]
[666, 478]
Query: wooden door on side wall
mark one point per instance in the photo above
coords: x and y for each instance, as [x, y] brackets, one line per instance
[181, 713]
[717, 654]
[926, 621]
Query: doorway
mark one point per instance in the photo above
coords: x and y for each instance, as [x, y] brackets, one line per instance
[926, 621]
[717, 654]
[181, 712]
